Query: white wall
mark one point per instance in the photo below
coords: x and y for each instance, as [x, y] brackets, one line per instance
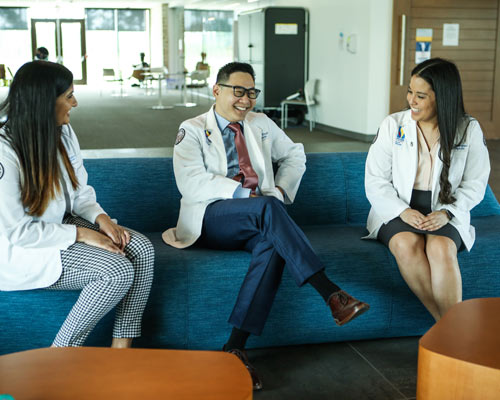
[353, 90]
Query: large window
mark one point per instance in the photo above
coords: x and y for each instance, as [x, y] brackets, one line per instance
[13, 32]
[115, 39]
[209, 32]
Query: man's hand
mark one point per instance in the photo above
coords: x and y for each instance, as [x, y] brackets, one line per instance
[119, 235]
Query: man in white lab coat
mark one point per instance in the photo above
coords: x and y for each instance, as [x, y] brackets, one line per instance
[233, 200]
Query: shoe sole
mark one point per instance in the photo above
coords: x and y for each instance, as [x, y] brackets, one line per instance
[355, 313]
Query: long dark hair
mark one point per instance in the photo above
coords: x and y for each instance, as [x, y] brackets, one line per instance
[32, 131]
[444, 79]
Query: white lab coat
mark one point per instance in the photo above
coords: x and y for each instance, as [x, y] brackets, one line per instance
[200, 167]
[30, 246]
[391, 168]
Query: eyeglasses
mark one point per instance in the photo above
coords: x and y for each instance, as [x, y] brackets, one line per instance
[239, 91]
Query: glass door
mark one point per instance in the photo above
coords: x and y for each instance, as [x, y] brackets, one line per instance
[65, 41]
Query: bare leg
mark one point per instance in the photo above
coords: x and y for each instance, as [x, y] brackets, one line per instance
[121, 343]
[446, 279]
[409, 250]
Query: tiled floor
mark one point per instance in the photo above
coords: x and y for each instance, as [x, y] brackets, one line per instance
[376, 369]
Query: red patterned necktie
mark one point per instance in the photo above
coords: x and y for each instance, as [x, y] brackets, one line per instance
[251, 179]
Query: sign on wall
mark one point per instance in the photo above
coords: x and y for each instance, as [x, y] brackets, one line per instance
[423, 45]
[450, 34]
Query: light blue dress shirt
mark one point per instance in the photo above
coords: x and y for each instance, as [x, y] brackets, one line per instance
[233, 165]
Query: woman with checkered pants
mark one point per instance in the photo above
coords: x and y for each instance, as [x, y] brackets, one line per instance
[53, 233]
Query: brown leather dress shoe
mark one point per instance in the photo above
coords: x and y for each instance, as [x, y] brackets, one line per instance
[345, 307]
[242, 355]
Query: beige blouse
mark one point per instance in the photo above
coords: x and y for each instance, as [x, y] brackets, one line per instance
[426, 158]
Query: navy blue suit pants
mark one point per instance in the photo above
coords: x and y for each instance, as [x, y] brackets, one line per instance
[262, 227]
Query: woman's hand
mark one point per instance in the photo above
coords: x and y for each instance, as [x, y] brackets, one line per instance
[434, 221]
[96, 239]
[412, 217]
[119, 235]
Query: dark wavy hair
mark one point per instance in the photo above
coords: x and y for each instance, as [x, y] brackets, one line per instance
[32, 131]
[444, 79]
[232, 67]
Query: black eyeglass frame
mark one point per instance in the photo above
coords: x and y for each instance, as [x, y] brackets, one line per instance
[245, 90]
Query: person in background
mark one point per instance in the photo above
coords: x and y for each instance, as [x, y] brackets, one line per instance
[53, 233]
[42, 54]
[426, 169]
[139, 69]
[233, 200]
[202, 65]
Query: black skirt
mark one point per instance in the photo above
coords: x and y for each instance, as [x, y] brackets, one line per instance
[420, 201]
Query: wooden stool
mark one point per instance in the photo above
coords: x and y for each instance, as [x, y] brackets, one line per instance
[105, 373]
[459, 357]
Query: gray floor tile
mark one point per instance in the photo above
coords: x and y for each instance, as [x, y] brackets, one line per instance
[396, 359]
[324, 371]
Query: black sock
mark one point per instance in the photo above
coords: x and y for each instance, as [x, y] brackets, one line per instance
[237, 340]
[324, 286]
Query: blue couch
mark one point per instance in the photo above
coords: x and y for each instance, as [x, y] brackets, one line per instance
[194, 289]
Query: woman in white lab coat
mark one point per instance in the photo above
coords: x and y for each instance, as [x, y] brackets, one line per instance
[53, 233]
[426, 169]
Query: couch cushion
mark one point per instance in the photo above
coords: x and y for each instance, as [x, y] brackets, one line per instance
[299, 315]
[321, 198]
[139, 192]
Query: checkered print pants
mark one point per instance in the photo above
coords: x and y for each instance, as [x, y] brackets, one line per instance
[107, 280]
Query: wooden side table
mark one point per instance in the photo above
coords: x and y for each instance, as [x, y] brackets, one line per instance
[105, 373]
[459, 357]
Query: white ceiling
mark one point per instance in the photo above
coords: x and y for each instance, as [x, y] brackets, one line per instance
[216, 4]
[197, 4]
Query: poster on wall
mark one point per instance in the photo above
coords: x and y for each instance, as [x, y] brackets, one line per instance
[423, 45]
[451, 33]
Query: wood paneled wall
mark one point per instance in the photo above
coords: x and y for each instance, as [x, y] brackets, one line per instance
[477, 55]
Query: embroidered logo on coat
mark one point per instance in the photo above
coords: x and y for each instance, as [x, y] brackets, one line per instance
[264, 135]
[180, 136]
[400, 138]
[208, 132]
[1, 171]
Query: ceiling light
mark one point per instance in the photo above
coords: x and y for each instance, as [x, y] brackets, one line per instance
[232, 5]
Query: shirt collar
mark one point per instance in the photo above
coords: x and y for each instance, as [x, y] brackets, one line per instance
[222, 122]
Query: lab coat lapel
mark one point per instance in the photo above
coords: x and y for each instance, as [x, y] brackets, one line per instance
[411, 155]
[216, 141]
[436, 187]
[253, 140]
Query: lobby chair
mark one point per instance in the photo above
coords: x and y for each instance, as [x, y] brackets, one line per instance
[308, 101]
[109, 75]
[198, 81]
